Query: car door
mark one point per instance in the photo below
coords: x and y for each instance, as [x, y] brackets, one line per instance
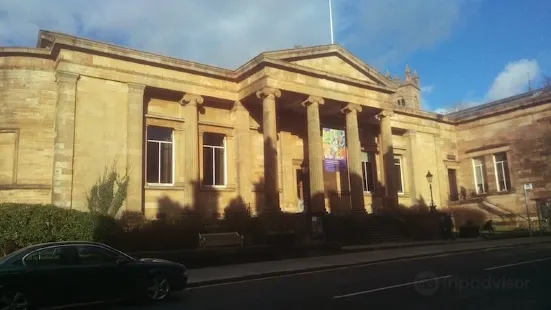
[107, 275]
[52, 273]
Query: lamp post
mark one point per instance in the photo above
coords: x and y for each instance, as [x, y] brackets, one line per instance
[429, 179]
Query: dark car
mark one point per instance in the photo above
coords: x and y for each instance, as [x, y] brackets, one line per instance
[81, 273]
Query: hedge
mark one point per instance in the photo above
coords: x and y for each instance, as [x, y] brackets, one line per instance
[25, 224]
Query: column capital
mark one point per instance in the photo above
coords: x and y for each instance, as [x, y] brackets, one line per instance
[313, 100]
[191, 99]
[351, 107]
[268, 92]
[238, 106]
[385, 113]
[66, 77]
[135, 87]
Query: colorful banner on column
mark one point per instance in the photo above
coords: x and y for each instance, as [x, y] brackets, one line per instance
[334, 149]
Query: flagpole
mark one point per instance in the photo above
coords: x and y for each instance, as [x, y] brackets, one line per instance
[331, 19]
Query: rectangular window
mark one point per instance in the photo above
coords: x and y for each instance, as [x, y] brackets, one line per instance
[479, 175]
[368, 171]
[214, 159]
[399, 175]
[502, 172]
[160, 155]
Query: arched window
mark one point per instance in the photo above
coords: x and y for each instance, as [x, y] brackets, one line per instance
[401, 101]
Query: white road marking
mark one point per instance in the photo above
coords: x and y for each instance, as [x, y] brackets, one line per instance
[390, 287]
[517, 264]
[325, 270]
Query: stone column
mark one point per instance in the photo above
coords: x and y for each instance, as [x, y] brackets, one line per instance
[242, 152]
[62, 179]
[135, 142]
[315, 154]
[391, 192]
[191, 155]
[269, 129]
[413, 163]
[354, 157]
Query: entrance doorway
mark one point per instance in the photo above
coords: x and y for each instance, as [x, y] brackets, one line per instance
[303, 188]
[452, 181]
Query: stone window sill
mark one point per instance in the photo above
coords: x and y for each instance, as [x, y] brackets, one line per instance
[228, 188]
[164, 187]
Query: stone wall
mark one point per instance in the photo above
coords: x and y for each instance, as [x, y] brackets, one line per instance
[524, 138]
[28, 96]
[100, 133]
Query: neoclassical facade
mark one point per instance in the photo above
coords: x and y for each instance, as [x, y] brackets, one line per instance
[307, 129]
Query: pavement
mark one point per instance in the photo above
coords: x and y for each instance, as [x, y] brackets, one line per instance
[233, 273]
[504, 274]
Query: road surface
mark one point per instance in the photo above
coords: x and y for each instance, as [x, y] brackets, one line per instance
[510, 278]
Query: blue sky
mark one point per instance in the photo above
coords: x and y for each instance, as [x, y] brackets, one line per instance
[470, 51]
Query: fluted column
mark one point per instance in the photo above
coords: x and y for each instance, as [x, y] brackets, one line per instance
[269, 129]
[135, 142]
[315, 154]
[62, 179]
[191, 166]
[354, 157]
[242, 149]
[389, 182]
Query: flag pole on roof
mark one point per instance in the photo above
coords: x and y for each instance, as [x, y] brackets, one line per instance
[331, 20]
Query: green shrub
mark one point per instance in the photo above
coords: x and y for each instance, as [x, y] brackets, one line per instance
[25, 224]
[109, 192]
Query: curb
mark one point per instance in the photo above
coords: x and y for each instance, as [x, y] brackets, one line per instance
[327, 268]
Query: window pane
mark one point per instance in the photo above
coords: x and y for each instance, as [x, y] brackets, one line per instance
[219, 167]
[507, 176]
[208, 177]
[500, 177]
[398, 178]
[479, 170]
[159, 133]
[59, 256]
[213, 139]
[166, 163]
[501, 156]
[478, 161]
[95, 255]
[369, 175]
[364, 176]
[152, 162]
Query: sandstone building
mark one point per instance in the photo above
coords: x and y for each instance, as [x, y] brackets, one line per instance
[310, 129]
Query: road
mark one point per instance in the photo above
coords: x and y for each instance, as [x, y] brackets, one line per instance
[510, 278]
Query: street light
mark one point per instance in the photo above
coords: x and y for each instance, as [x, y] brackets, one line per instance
[429, 179]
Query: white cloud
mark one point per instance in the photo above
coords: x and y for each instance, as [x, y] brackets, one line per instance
[427, 89]
[513, 80]
[228, 33]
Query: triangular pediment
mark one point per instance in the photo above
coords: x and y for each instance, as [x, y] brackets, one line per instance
[332, 59]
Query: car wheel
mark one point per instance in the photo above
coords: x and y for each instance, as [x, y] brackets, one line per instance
[14, 300]
[158, 288]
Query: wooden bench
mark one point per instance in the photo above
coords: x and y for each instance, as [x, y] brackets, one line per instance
[220, 239]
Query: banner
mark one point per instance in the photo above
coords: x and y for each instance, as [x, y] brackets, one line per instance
[334, 149]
